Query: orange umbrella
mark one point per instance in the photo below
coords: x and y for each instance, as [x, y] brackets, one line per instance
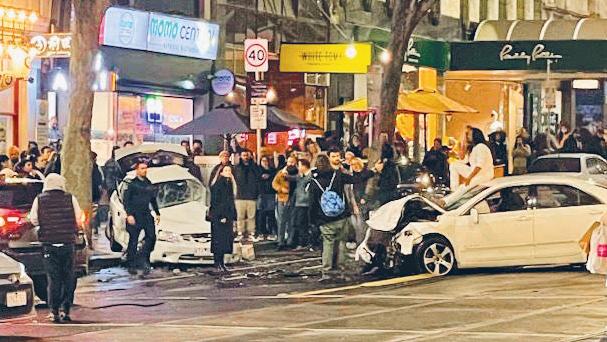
[429, 101]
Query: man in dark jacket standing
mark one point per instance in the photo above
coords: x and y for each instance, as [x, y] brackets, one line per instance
[334, 229]
[138, 197]
[58, 214]
[247, 181]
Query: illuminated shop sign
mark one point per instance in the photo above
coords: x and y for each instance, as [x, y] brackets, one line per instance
[52, 45]
[130, 29]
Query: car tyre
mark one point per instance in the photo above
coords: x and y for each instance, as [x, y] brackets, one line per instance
[109, 233]
[40, 286]
[435, 256]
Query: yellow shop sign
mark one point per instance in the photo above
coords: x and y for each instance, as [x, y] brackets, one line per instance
[352, 58]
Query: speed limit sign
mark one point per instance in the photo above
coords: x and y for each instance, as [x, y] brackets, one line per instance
[256, 55]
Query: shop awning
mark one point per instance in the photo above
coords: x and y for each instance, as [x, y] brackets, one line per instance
[552, 29]
[157, 72]
[357, 106]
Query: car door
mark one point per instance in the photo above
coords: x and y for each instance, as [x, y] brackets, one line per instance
[503, 235]
[563, 214]
[119, 214]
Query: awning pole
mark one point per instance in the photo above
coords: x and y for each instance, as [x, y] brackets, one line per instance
[371, 128]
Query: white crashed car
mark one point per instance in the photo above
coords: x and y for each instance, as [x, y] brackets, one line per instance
[510, 221]
[183, 235]
[16, 290]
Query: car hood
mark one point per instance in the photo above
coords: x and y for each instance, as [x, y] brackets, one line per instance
[387, 216]
[8, 265]
[187, 218]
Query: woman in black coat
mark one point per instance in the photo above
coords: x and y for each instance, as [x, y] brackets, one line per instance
[222, 215]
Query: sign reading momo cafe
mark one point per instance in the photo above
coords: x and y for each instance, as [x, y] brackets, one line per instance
[562, 55]
[155, 32]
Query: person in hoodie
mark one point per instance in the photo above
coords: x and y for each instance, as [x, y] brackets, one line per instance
[299, 234]
[57, 213]
[266, 204]
[247, 175]
[334, 230]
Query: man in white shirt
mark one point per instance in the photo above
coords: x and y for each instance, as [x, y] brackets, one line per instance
[479, 168]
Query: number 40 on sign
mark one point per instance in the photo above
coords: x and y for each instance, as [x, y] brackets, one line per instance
[256, 55]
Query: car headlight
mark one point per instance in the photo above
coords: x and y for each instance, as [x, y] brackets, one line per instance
[17, 278]
[164, 235]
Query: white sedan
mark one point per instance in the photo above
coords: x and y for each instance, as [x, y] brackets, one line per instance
[511, 221]
[183, 235]
[581, 165]
[16, 290]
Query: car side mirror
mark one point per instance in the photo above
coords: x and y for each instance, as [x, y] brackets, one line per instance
[474, 215]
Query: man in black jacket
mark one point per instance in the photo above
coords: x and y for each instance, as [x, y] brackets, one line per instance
[138, 196]
[58, 214]
[247, 181]
[334, 229]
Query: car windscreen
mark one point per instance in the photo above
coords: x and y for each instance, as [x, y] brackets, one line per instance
[465, 197]
[178, 192]
[556, 165]
[19, 196]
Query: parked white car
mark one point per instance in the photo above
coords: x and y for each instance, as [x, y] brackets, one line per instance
[16, 290]
[183, 235]
[580, 165]
[510, 221]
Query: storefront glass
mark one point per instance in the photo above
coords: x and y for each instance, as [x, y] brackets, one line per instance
[145, 118]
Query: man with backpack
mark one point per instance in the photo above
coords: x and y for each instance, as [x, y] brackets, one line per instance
[330, 211]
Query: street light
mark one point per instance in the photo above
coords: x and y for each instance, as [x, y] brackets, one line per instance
[385, 57]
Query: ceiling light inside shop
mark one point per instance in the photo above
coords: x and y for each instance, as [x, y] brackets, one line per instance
[33, 17]
[22, 16]
[59, 82]
[585, 84]
[385, 57]
[11, 14]
[187, 84]
[271, 95]
[351, 51]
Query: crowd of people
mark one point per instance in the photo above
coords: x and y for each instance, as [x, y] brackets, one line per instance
[309, 198]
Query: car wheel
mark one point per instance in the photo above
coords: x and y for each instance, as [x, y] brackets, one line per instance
[40, 286]
[435, 256]
[109, 233]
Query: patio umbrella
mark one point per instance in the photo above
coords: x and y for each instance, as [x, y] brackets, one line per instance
[219, 121]
[282, 121]
[357, 105]
[428, 101]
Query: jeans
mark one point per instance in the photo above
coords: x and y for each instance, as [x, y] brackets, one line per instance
[145, 223]
[266, 217]
[283, 217]
[334, 245]
[301, 227]
[59, 264]
[245, 211]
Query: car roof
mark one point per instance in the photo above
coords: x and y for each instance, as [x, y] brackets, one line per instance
[150, 148]
[166, 174]
[570, 155]
[22, 180]
[535, 178]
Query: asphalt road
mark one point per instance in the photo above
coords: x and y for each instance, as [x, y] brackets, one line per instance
[284, 301]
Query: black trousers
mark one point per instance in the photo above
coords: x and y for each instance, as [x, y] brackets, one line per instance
[145, 223]
[59, 264]
[301, 222]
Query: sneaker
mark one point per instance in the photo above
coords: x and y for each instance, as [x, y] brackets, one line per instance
[351, 245]
[238, 238]
[325, 279]
[147, 268]
[132, 271]
[54, 317]
[65, 317]
[272, 238]
[253, 239]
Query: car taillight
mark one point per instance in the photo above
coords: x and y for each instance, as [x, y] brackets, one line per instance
[11, 222]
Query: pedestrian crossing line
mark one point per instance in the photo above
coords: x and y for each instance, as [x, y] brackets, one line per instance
[378, 283]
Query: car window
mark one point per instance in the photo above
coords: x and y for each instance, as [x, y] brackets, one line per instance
[596, 166]
[504, 200]
[178, 192]
[454, 203]
[18, 195]
[558, 196]
[556, 165]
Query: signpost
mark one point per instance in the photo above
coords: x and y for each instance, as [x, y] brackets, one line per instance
[256, 60]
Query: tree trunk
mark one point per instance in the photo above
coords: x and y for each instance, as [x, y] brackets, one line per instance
[76, 162]
[407, 14]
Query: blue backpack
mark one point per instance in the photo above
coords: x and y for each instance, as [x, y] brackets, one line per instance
[331, 204]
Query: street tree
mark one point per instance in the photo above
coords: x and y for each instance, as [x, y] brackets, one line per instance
[76, 164]
[406, 15]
